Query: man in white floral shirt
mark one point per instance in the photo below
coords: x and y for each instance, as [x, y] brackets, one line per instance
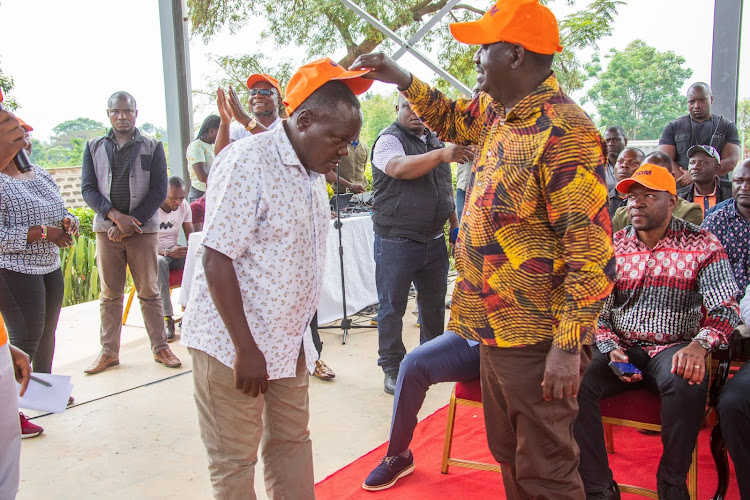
[257, 285]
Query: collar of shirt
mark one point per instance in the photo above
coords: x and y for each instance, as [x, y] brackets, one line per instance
[137, 137]
[667, 239]
[696, 194]
[286, 151]
[532, 102]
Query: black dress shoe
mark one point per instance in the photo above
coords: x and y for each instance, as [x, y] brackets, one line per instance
[611, 493]
[390, 383]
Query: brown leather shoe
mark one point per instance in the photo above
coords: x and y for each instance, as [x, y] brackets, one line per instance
[322, 371]
[167, 358]
[101, 363]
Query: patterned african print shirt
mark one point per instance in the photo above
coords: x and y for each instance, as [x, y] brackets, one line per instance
[534, 250]
[277, 242]
[658, 294]
[734, 233]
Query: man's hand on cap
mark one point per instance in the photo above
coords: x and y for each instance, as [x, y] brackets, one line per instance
[383, 68]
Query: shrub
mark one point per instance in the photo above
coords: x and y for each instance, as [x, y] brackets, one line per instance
[86, 218]
[80, 274]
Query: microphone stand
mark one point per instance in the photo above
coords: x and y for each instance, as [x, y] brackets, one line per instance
[346, 323]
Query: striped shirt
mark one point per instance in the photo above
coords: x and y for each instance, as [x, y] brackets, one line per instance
[659, 292]
[25, 203]
[534, 251]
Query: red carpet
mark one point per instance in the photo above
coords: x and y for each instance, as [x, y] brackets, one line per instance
[634, 462]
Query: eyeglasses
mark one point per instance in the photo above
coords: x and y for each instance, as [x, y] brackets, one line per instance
[264, 92]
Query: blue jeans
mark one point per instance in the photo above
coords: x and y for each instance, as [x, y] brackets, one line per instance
[398, 262]
[734, 411]
[460, 199]
[447, 358]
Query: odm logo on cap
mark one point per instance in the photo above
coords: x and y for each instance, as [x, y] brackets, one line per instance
[652, 177]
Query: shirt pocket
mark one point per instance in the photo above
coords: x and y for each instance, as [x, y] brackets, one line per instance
[146, 162]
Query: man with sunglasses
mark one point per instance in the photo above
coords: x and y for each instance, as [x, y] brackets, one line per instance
[265, 99]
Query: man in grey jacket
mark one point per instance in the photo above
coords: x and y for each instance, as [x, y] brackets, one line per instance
[124, 180]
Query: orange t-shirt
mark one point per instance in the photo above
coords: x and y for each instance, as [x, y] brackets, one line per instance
[705, 202]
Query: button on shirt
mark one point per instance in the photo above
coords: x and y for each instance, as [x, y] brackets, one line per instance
[534, 251]
[119, 192]
[276, 240]
[658, 294]
[734, 233]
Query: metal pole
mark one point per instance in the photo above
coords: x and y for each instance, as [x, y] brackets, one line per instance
[176, 61]
[425, 28]
[725, 60]
[415, 52]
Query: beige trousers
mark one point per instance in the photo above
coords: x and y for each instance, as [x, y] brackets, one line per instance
[113, 257]
[233, 425]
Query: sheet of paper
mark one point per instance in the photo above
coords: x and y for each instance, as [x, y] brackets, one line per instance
[42, 398]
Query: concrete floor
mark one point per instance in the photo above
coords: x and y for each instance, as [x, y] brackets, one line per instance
[133, 432]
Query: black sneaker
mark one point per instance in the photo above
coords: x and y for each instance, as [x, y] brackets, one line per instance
[390, 470]
[169, 328]
[611, 493]
[668, 491]
[390, 383]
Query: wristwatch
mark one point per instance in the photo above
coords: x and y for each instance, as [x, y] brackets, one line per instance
[704, 344]
[251, 124]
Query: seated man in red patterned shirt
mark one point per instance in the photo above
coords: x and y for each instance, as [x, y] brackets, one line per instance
[667, 270]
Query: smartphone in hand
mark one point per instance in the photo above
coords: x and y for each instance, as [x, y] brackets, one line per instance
[624, 369]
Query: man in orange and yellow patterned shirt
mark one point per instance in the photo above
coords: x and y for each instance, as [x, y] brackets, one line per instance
[534, 251]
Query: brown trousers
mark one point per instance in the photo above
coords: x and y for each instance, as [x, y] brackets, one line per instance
[531, 438]
[234, 425]
[113, 257]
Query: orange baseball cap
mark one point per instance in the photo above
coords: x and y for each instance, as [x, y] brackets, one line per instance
[525, 22]
[262, 77]
[25, 125]
[651, 177]
[312, 76]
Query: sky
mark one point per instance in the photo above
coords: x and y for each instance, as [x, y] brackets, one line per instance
[71, 55]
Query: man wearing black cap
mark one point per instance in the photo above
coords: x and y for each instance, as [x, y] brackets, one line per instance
[707, 189]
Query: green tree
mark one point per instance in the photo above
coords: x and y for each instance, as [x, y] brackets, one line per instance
[579, 30]
[324, 26]
[78, 125]
[6, 85]
[235, 71]
[743, 125]
[378, 111]
[639, 90]
[152, 131]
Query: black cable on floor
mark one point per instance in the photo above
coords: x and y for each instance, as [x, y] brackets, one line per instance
[121, 392]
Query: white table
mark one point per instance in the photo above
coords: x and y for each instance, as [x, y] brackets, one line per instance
[357, 239]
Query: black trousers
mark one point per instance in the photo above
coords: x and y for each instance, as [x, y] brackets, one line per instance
[682, 407]
[734, 412]
[30, 305]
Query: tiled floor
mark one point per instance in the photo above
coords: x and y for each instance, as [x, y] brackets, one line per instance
[134, 434]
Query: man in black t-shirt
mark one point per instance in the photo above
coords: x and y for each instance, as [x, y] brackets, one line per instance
[698, 127]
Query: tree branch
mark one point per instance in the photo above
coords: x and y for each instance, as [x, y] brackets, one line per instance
[343, 31]
[469, 8]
